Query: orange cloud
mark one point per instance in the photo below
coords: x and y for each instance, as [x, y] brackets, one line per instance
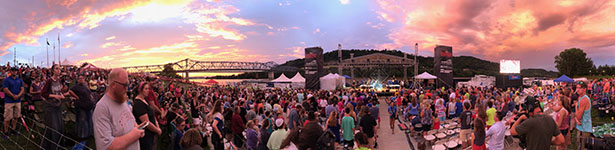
[110, 44]
[110, 38]
[297, 52]
[68, 44]
[214, 21]
[171, 53]
[87, 15]
[495, 28]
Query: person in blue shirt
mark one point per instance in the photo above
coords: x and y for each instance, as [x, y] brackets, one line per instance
[459, 107]
[13, 89]
[178, 133]
[392, 116]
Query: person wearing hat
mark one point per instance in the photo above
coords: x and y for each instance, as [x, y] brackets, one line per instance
[13, 87]
[538, 129]
[583, 117]
[294, 119]
[276, 138]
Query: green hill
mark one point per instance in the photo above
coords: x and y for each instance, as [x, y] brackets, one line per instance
[464, 66]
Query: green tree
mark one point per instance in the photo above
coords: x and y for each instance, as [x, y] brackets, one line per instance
[168, 71]
[573, 62]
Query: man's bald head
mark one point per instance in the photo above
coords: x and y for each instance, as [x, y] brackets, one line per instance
[118, 74]
[118, 84]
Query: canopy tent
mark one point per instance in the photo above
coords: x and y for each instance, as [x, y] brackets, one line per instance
[297, 78]
[297, 81]
[341, 81]
[346, 76]
[563, 78]
[580, 79]
[281, 78]
[211, 81]
[425, 75]
[66, 62]
[89, 66]
[281, 82]
[332, 82]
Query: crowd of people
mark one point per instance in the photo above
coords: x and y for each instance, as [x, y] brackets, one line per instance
[541, 116]
[231, 117]
[134, 111]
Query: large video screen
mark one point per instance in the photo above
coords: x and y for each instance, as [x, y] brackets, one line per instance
[510, 66]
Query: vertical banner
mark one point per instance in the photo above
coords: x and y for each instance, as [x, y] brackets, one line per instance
[313, 67]
[443, 65]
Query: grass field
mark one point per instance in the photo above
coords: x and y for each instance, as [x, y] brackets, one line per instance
[32, 139]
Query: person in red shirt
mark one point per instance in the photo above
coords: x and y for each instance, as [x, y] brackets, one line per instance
[428, 95]
[237, 127]
[152, 99]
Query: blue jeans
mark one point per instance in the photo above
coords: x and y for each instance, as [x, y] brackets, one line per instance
[84, 127]
[53, 120]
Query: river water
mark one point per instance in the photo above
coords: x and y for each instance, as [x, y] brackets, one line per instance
[222, 81]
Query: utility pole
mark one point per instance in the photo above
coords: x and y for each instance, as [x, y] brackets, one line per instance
[54, 53]
[416, 64]
[47, 51]
[15, 56]
[59, 45]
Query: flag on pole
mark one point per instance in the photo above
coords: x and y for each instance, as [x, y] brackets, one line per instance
[59, 45]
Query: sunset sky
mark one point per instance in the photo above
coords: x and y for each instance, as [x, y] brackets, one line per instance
[116, 33]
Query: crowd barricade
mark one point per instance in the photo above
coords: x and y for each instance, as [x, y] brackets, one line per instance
[36, 131]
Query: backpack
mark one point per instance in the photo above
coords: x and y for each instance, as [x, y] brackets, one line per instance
[326, 141]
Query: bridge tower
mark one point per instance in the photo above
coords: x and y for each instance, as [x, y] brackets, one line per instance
[186, 72]
[270, 75]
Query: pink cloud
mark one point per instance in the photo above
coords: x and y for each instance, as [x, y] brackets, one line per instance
[494, 28]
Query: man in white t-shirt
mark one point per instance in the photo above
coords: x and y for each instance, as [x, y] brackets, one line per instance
[114, 125]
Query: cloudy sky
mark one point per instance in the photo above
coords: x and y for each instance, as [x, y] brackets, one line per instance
[116, 33]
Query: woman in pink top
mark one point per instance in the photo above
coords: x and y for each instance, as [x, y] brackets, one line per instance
[562, 119]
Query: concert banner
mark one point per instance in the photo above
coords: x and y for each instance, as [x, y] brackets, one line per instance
[313, 67]
[443, 65]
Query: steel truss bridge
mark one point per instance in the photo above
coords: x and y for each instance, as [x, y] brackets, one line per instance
[188, 65]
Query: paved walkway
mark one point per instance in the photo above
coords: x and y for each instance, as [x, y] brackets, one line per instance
[386, 140]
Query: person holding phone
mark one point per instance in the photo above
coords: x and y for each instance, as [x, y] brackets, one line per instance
[144, 113]
[114, 125]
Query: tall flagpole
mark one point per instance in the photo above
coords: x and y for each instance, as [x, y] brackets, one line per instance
[47, 51]
[54, 53]
[59, 45]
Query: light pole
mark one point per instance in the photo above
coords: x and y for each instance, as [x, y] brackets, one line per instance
[416, 65]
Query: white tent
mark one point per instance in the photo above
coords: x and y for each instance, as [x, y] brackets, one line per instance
[297, 78]
[281, 78]
[341, 81]
[66, 62]
[332, 82]
[425, 75]
[297, 81]
[327, 82]
[281, 82]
